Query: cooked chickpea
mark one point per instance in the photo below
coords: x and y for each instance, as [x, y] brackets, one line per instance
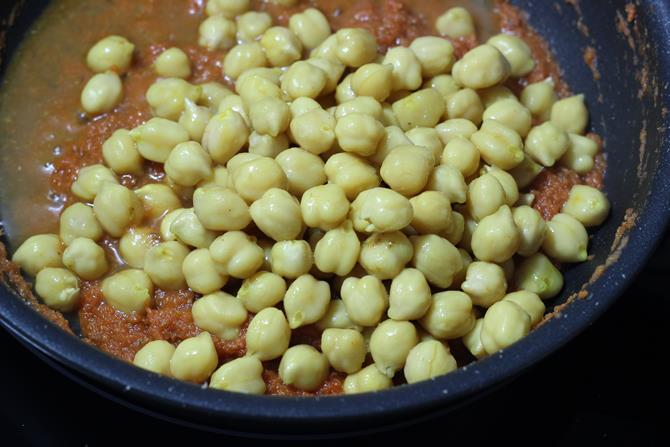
[120, 153]
[366, 380]
[483, 66]
[251, 25]
[117, 208]
[217, 33]
[380, 210]
[311, 27]
[303, 170]
[201, 273]
[473, 340]
[409, 297]
[427, 137]
[238, 161]
[406, 169]
[539, 98]
[255, 178]
[256, 85]
[453, 128]
[428, 359]
[352, 173]
[282, 47]
[406, 73]
[314, 131]
[155, 357]
[485, 283]
[485, 196]
[242, 375]
[261, 291]
[547, 143]
[449, 316]
[188, 164]
[270, 116]
[588, 205]
[510, 113]
[469, 227]
[517, 53]
[243, 57]
[355, 47]
[337, 317]
[373, 80]
[157, 200]
[225, 135]
[237, 254]
[235, 103]
[58, 287]
[85, 258]
[525, 172]
[291, 259]
[390, 344]
[326, 49]
[496, 238]
[194, 119]
[432, 212]
[212, 94]
[505, 323]
[338, 250]
[344, 92]
[465, 104]
[194, 359]
[304, 79]
[227, 8]
[219, 314]
[393, 137]
[386, 254]
[499, 145]
[537, 274]
[449, 181]
[506, 180]
[462, 154]
[445, 84]
[420, 109]
[166, 224]
[532, 229]
[220, 209]
[359, 133]
[324, 206]
[266, 145]
[435, 54]
[90, 180]
[580, 154]
[128, 291]
[566, 239]
[111, 53]
[530, 303]
[157, 137]
[188, 229]
[78, 220]
[166, 97]
[277, 214]
[436, 258]
[344, 349]
[570, 114]
[173, 63]
[455, 23]
[303, 367]
[163, 264]
[306, 301]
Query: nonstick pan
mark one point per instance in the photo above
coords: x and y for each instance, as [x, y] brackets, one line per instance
[630, 100]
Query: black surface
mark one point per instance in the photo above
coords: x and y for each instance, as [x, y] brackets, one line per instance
[607, 386]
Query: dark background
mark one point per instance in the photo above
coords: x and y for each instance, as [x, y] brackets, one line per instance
[609, 386]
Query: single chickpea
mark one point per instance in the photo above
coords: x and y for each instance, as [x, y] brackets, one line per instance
[462, 154]
[406, 73]
[128, 291]
[420, 109]
[270, 116]
[499, 145]
[485, 196]
[219, 314]
[85, 258]
[473, 340]
[194, 359]
[78, 220]
[530, 303]
[390, 344]
[483, 66]
[365, 299]
[314, 131]
[510, 113]
[580, 154]
[90, 180]
[225, 135]
[311, 27]
[449, 181]
[194, 119]
[337, 317]
[532, 229]
[243, 57]
[517, 53]
[344, 349]
[465, 104]
[253, 179]
[380, 210]
[117, 208]
[324, 206]
[539, 98]
[163, 264]
[344, 92]
[268, 335]
[453, 128]
[303, 170]
[188, 164]
[251, 25]
[220, 209]
[393, 137]
[291, 259]
[156, 138]
[432, 212]
[537, 274]
[113, 53]
[525, 172]
[435, 54]
[588, 205]
[429, 138]
[427, 360]
[282, 47]
[570, 114]
[277, 214]
[261, 291]
[352, 173]
[355, 47]
[201, 273]
[338, 250]
[443, 83]
[303, 79]
[406, 169]
[235, 103]
[333, 69]
[58, 287]
[449, 316]
[303, 367]
[266, 145]
[409, 297]
[454, 233]
[217, 33]
[155, 357]
[121, 155]
[243, 375]
[157, 200]
[359, 133]
[496, 238]
[227, 8]
[455, 23]
[386, 254]
[188, 229]
[485, 283]
[547, 143]
[373, 80]
[436, 258]
[366, 380]
[566, 239]
[173, 63]
[212, 94]
[306, 301]
[505, 323]
[237, 254]
[166, 97]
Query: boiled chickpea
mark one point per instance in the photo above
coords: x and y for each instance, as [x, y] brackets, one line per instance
[291, 259]
[155, 357]
[128, 291]
[390, 344]
[453, 128]
[580, 154]
[432, 212]
[173, 63]
[481, 67]
[386, 254]
[373, 80]
[344, 92]
[303, 170]
[359, 133]
[566, 239]
[58, 287]
[436, 258]
[324, 206]
[429, 138]
[532, 229]
[188, 164]
[157, 200]
[409, 297]
[201, 273]
[163, 264]
[243, 375]
[336, 317]
[473, 340]
[253, 179]
[235, 103]
[365, 299]
[393, 137]
[227, 8]
[217, 33]
[461, 154]
[220, 314]
[506, 180]
[277, 214]
[157, 137]
[303, 367]
[85, 258]
[547, 143]
[368, 379]
[261, 291]
[485, 196]
[420, 109]
[111, 53]
[338, 250]
[121, 155]
[282, 47]
[194, 359]
[344, 349]
[517, 53]
[406, 169]
[306, 301]
[539, 98]
[237, 161]
[499, 145]
[166, 97]
[449, 181]
[333, 69]
[355, 47]
[311, 27]
[510, 113]
[537, 274]
[188, 229]
[225, 135]
[465, 104]
[352, 173]
[380, 210]
[449, 316]
[243, 57]
[427, 360]
[588, 205]
[268, 335]
[212, 94]
[220, 209]
[436, 55]
[252, 24]
[78, 220]
[116, 208]
[303, 79]
[454, 233]
[525, 172]
[443, 83]
[496, 238]
[270, 116]
[314, 131]
[406, 73]
[570, 114]
[455, 23]
[485, 283]
[266, 145]
[530, 303]
[194, 119]
[237, 254]
[90, 180]
[505, 323]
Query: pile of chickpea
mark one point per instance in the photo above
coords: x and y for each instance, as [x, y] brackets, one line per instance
[392, 220]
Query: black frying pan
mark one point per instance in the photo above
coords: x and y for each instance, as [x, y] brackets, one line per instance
[634, 63]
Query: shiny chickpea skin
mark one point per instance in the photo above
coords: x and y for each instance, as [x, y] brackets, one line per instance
[473, 340]
[517, 53]
[420, 109]
[303, 79]
[337, 251]
[85, 258]
[505, 323]
[409, 297]
[129, 291]
[539, 275]
[291, 259]
[393, 137]
[261, 291]
[485, 283]
[455, 23]
[194, 359]
[237, 254]
[157, 200]
[337, 317]
[496, 238]
[78, 220]
[167, 97]
[243, 375]
[457, 127]
[449, 181]
[580, 154]
[511, 113]
[390, 344]
[588, 205]
[435, 54]
[406, 74]
[324, 207]
[485, 196]
[243, 57]
[481, 67]
[268, 335]
[217, 33]
[227, 8]
[303, 170]
[220, 209]
[566, 239]
[253, 179]
[427, 360]
[201, 273]
[90, 180]
[352, 173]
[368, 379]
[173, 63]
[570, 114]
[225, 135]
[462, 154]
[121, 155]
[355, 47]
[277, 214]
[530, 303]
[188, 164]
[194, 119]
[117, 208]
[449, 316]
[344, 349]
[156, 138]
[429, 138]
[187, 228]
[303, 367]
[163, 263]
[499, 145]
[532, 229]
[380, 210]
[547, 143]
[385, 255]
[373, 80]
[219, 314]
[111, 53]
[311, 27]
[58, 288]
[407, 169]
[155, 357]
[314, 131]
[359, 133]
[432, 212]
[436, 258]
[282, 47]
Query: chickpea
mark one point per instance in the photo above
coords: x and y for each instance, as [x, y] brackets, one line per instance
[201, 273]
[510, 113]
[449, 181]
[485, 283]
[303, 79]
[409, 297]
[517, 53]
[428, 138]
[506, 180]
[85, 258]
[166, 97]
[253, 179]
[436, 258]
[303, 170]
[194, 119]
[453, 128]
[58, 287]
[235, 103]
[270, 116]
[432, 212]
[163, 265]
[366, 380]
[217, 33]
[570, 114]
[227, 8]
[355, 47]
[580, 154]
[306, 301]
[173, 63]
[352, 173]
[194, 359]
[311, 27]
[461, 154]
[333, 69]
[326, 50]
[225, 135]
[212, 94]
[128, 291]
[155, 357]
[291, 259]
[380, 210]
[188, 164]
[117, 208]
[547, 143]
[261, 291]
[386, 254]
[220, 209]
[420, 109]
[483, 66]
[530, 303]
[243, 375]
[485, 196]
[359, 133]
[157, 137]
[237, 254]
[166, 224]
[390, 344]
[537, 274]
[365, 299]
[251, 25]
[473, 340]
[277, 214]
[435, 54]
[449, 316]
[266, 145]
[445, 84]
[525, 172]
[338, 250]
[499, 145]
[282, 47]
[337, 317]
[465, 104]
[496, 238]
[113, 53]
[344, 92]
[188, 229]
[505, 323]
[373, 80]
[243, 57]
[324, 206]
[406, 73]
[393, 137]
[78, 220]
[220, 314]
[532, 229]
[314, 131]
[427, 360]
[566, 239]
[455, 23]
[588, 205]
[121, 155]
[539, 98]
[406, 169]
[344, 349]
[254, 86]
[90, 180]
[303, 367]
[157, 200]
